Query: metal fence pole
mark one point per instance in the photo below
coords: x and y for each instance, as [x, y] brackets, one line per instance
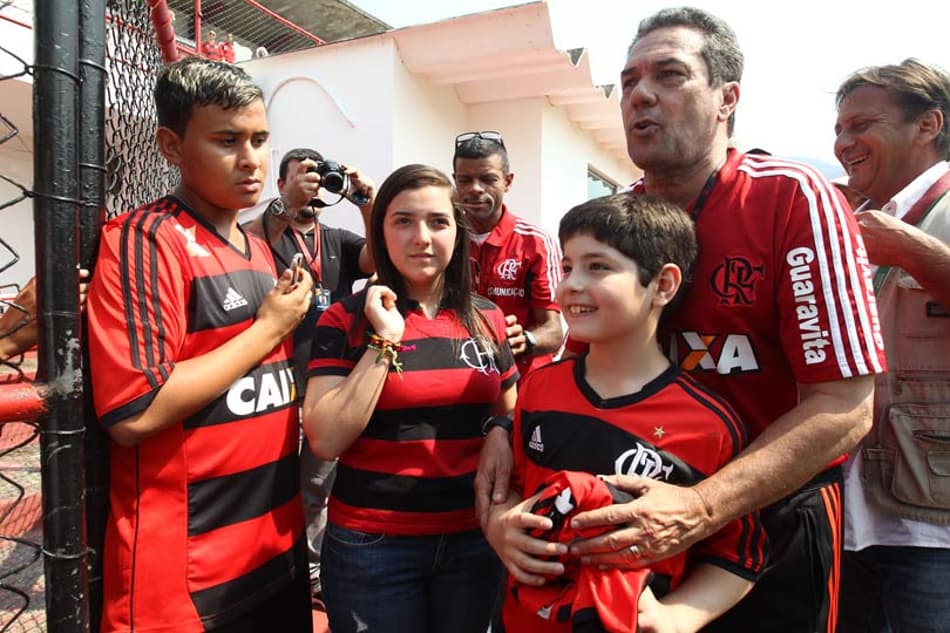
[55, 184]
[92, 212]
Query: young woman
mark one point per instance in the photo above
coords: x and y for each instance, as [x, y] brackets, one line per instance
[402, 377]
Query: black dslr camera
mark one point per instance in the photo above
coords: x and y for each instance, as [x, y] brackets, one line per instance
[332, 176]
[334, 179]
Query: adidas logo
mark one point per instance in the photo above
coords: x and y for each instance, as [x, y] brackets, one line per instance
[535, 443]
[233, 300]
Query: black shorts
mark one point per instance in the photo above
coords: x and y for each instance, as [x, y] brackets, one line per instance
[798, 593]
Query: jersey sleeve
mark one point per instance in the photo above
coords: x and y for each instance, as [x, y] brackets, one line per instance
[330, 354]
[137, 311]
[828, 317]
[545, 271]
[740, 548]
[350, 246]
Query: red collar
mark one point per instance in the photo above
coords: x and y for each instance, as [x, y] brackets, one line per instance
[504, 227]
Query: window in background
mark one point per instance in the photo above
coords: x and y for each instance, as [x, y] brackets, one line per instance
[599, 185]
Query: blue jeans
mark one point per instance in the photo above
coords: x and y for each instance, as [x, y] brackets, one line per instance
[375, 583]
[895, 590]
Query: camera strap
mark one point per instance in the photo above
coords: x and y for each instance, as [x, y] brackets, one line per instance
[313, 258]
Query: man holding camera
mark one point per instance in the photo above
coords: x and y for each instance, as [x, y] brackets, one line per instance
[335, 258]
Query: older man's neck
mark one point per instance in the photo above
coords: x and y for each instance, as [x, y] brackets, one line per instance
[682, 184]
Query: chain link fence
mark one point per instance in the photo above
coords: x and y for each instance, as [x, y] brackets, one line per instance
[22, 586]
[136, 171]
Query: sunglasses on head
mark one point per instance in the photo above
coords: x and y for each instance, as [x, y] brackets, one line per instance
[494, 137]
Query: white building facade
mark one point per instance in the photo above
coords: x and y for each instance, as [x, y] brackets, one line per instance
[399, 97]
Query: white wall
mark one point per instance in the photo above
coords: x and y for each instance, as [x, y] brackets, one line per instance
[566, 153]
[426, 120]
[16, 155]
[520, 124]
[16, 222]
[357, 102]
[336, 99]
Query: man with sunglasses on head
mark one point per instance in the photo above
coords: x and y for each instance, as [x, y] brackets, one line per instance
[515, 263]
[335, 258]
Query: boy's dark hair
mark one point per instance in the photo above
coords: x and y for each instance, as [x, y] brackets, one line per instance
[194, 82]
[299, 154]
[916, 88]
[720, 50]
[648, 230]
[482, 148]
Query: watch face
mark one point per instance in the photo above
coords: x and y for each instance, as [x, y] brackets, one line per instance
[530, 341]
[277, 207]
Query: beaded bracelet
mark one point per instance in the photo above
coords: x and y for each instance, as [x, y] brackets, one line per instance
[389, 349]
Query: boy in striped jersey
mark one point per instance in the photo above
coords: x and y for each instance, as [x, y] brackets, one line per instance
[193, 381]
[622, 408]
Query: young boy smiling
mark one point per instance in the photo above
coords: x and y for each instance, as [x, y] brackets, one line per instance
[192, 380]
[621, 408]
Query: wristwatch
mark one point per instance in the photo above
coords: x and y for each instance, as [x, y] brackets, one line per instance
[530, 343]
[497, 420]
[277, 207]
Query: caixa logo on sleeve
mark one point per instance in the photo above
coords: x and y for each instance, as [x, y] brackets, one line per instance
[722, 353]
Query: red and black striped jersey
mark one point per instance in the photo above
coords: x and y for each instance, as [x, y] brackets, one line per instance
[205, 514]
[781, 292]
[412, 470]
[673, 430]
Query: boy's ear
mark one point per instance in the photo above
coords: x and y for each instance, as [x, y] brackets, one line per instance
[668, 281]
[169, 144]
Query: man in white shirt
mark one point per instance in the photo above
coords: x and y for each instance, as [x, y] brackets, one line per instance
[893, 139]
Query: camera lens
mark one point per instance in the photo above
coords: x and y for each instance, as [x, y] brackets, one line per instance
[332, 182]
[332, 176]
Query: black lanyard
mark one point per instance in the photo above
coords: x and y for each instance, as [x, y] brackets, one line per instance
[703, 196]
